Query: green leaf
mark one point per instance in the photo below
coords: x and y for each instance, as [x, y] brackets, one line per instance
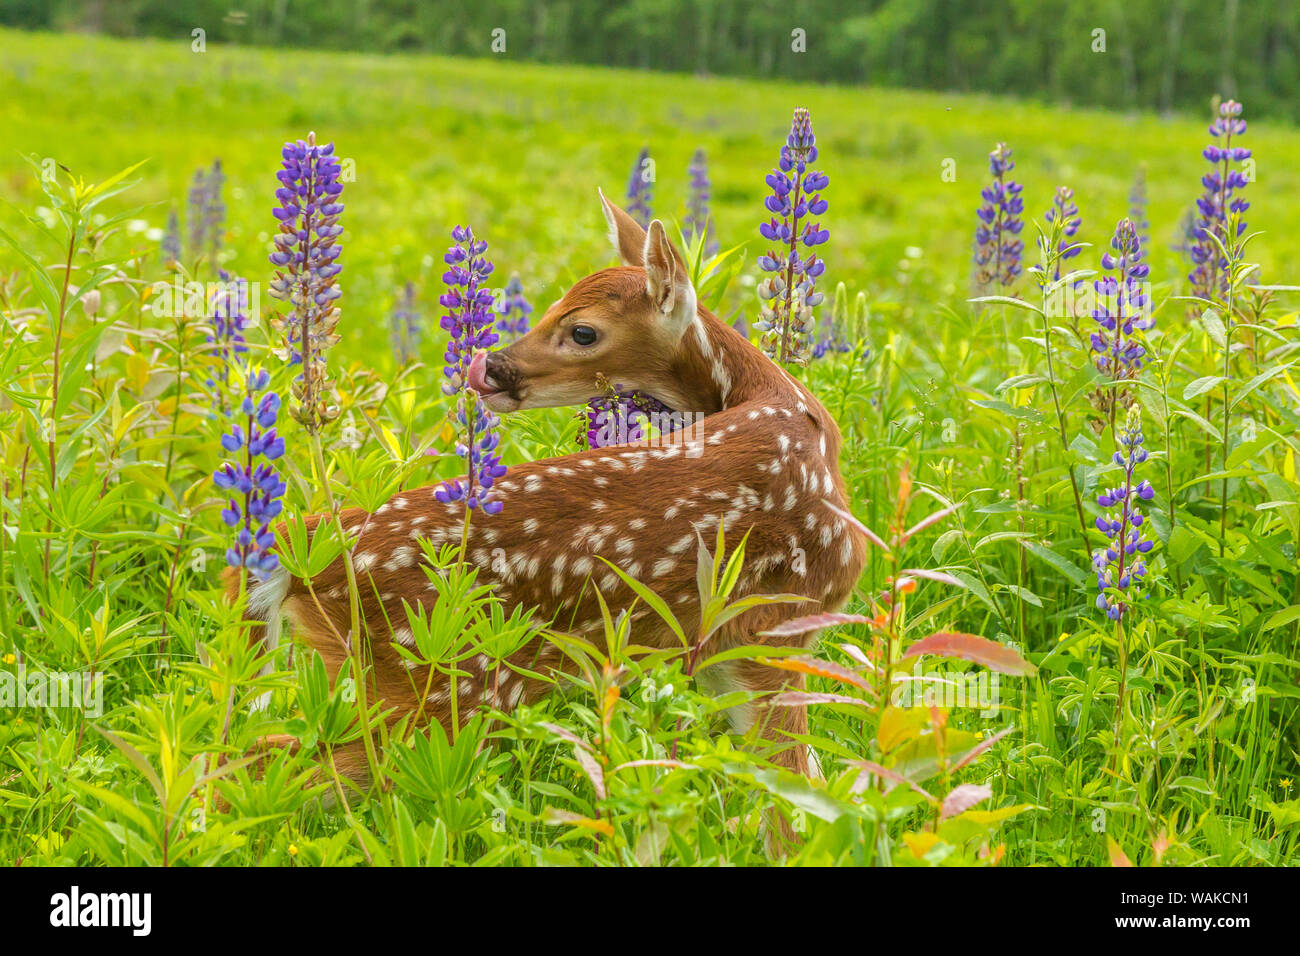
[1067, 567]
[1282, 618]
[1008, 300]
[1015, 411]
[652, 599]
[1200, 386]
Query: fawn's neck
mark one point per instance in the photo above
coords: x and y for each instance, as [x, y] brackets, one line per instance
[719, 369]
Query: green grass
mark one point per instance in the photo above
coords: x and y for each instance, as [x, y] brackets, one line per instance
[134, 540]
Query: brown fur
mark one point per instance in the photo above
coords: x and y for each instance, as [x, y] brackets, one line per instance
[769, 460]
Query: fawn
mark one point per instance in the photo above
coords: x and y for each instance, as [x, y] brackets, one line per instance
[765, 462]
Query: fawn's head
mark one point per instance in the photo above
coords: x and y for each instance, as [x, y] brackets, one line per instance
[626, 324]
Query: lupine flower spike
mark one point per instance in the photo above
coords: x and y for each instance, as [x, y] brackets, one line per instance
[1137, 206]
[1066, 211]
[404, 325]
[831, 329]
[1121, 565]
[214, 213]
[196, 213]
[254, 487]
[789, 295]
[1221, 199]
[226, 341]
[640, 184]
[1121, 313]
[998, 248]
[469, 322]
[698, 222]
[306, 256]
[515, 309]
[171, 240]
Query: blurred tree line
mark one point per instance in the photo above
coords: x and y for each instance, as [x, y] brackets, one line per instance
[1156, 54]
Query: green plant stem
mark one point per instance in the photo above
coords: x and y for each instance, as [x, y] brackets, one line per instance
[1060, 427]
[52, 431]
[354, 608]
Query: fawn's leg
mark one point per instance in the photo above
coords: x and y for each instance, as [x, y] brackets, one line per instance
[775, 725]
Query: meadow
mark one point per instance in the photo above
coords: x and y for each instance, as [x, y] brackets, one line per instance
[112, 537]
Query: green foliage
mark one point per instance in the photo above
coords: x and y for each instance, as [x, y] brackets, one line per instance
[971, 451]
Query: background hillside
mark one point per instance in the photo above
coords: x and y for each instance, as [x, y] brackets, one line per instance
[1158, 55]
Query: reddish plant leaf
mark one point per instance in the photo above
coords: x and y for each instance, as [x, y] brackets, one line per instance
[858, 654]
[927, 521]
[871, 535]
[566, 734]
[982, 746]
[1117, 856]
[963, 797]
[1160, 846]
[868, 767]
[939, 576]
[593, 770]
[674, 764]
[814, 622]
[556, 817]
[972, 647]
[819, 668]
[798, 698]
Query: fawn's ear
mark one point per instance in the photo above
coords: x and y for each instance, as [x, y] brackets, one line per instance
[625, 233]
[667, 280]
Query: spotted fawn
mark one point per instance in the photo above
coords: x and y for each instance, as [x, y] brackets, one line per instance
[762, 460]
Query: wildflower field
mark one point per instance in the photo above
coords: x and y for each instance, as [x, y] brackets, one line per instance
[1060, 345]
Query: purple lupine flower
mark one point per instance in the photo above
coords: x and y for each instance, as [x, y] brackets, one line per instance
[1137, 206]
[1121, 311]
[214, 210]
[512, 319]
[469, 307]
[1210, 277]
[698, 222]
[1066, 211]
[469, 322]
[640, 184]
[171, 240]
[226, 341]
[404, 325]
[998, 248]
[1121, 565]
[830, 330]
[789, 295]
[620, 415]
[306, 260]
[196, 213]
[254, 487]
[480, 450]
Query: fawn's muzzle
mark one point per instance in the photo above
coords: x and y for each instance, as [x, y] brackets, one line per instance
[495, 379]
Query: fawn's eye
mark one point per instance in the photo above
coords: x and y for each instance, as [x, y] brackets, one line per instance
[584, 335]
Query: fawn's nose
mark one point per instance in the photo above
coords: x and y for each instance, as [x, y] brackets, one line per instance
[498, 373]
[491, 373]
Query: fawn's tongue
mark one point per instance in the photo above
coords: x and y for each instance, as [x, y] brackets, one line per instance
[478, 374]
